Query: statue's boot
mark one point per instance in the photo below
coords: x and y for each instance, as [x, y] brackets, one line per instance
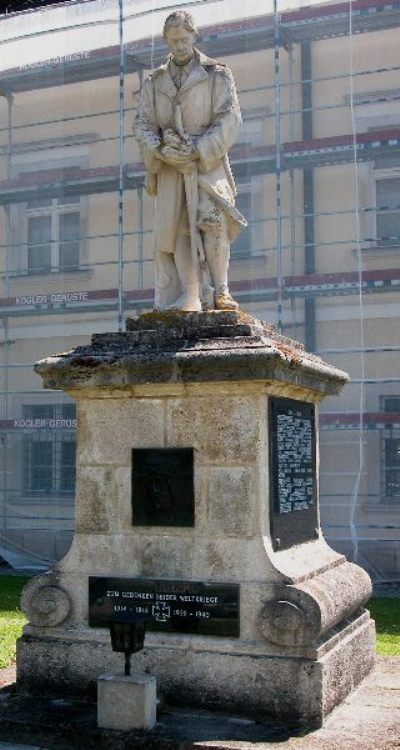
[224, 299]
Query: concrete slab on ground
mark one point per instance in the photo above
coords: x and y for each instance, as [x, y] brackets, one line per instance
[369, 719]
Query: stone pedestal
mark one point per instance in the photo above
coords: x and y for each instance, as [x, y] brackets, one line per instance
[250, 608]
[126, 703]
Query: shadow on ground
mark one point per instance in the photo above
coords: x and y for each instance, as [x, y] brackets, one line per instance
[52, 722]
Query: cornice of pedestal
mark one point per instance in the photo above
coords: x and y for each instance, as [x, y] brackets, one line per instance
[182, 348]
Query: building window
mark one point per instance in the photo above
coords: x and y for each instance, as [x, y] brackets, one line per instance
[388, 210]
[49, 450]
[53, 235]
[12, 6]
[391, 453]
[252, 127]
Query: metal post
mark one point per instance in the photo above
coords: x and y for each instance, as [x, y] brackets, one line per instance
[308, 195]
[10, 101]
[140, 199]
[278, 211]
[121, 165]
[292, 191]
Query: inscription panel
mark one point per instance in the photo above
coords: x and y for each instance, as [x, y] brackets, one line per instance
[172, 606]
[162, 487]
[293, 497]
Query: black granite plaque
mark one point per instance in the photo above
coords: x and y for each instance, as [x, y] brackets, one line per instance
[162, 487]
[172, 606]
[293, 496]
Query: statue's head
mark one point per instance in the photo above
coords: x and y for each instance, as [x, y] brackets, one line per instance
[180, 33]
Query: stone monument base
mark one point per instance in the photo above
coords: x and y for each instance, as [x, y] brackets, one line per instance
[186, 425]
[298, 690]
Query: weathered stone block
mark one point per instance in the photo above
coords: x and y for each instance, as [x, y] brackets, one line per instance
[222, 429]
[225, 559]
[231, 502]
[109, 429]
[126, 703]
[96, 500]
[163, 555]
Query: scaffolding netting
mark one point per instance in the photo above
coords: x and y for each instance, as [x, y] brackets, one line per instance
[317, 167]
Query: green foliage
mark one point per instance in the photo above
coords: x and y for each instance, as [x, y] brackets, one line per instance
[11, 617]
[386, 613]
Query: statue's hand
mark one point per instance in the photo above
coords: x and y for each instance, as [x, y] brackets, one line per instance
[178, 158]
[172, 139]
[176, 149]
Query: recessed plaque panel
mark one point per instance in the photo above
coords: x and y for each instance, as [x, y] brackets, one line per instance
[172, 606]
[293, 497]
[162, 487]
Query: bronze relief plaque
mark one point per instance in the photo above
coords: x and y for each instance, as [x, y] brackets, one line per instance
[162, 487]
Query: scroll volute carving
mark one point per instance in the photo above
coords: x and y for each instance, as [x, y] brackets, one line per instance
[45, 602]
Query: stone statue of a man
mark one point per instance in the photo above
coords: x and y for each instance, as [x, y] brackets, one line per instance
[188, 117]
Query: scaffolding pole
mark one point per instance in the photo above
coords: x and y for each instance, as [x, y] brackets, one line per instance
[121, 166]
[7, 209]
[292, 135]
[278, 208]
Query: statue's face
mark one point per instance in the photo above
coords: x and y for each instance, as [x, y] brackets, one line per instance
[180, 42]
